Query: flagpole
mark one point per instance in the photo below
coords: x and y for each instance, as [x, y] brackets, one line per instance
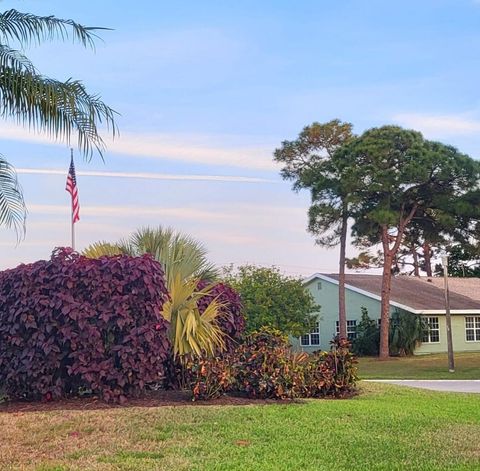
[71, 219]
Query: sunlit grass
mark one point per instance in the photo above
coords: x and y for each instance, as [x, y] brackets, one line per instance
[467, 366]
[384, 428]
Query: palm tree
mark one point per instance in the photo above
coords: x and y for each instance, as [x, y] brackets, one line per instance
[12, 206]
[184, 261]
[58, 108]
[179, 254]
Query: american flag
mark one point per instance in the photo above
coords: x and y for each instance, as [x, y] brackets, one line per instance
[72, 189]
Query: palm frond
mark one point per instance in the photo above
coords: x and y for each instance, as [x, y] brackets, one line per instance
[14, 60]
[192, 333]
[58, 108]
[100, 249]
[12, 205]
[178, 253]
[27, 28]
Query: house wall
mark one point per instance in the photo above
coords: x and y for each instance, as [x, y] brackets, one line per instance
[458, 337]
[327, 298]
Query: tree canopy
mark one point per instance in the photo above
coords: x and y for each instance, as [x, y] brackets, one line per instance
[274, 300]
[402, 179]
[308, 162]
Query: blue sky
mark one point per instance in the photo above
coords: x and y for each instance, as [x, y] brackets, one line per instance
[209, 89]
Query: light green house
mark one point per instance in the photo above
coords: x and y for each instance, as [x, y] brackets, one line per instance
[420, 296]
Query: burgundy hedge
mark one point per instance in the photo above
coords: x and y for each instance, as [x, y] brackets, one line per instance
[232, 321]
[74, 324]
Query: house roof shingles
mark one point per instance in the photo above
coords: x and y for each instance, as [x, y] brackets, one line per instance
[421, 294]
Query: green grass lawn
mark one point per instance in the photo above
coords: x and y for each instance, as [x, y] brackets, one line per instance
[467, 366]
[384, 428]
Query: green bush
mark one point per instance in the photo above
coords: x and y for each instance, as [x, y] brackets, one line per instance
[367, 341]
[406, 332]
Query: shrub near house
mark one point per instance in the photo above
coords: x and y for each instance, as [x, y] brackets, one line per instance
[265, 367]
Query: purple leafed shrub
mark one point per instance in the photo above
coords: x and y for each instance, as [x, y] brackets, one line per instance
[72, 324]
[232, 321]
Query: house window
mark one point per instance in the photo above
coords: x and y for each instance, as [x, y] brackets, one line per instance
[311, 339]
[319, 285]
[472, 329]
[351, 329]
[432, 334]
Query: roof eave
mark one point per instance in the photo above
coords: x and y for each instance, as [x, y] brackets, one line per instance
[392, 303]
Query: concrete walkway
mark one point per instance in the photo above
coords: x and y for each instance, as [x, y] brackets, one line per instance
[449, 385]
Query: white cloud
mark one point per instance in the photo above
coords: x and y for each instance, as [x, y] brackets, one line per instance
[148, 175]
[240, 214]
[194, 149]
[198, 149]
[439, 125]
[129, 211]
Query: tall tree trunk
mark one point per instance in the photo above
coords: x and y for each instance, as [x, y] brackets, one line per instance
[342, 312]
[428, 259]
[416, 268]
[385, 305]
[388, 257]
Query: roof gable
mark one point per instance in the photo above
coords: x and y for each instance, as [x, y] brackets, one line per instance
[410, 293]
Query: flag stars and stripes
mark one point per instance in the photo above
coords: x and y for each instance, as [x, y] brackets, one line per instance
[71, 187]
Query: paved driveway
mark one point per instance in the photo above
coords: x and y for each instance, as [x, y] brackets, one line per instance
[450, 385]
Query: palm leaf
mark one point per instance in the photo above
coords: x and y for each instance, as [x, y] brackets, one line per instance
[12, 205]
[58, 108]
[178, 253]
[27, 28]
[14, 60]
[100, 249]
[192, 333]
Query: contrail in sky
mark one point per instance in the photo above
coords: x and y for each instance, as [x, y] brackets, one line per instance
[149, 176]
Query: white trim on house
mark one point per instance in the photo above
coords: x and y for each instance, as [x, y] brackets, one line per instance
[392, 303]
[452, 311]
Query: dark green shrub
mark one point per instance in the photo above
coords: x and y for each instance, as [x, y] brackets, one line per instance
[406, 332]
[367, 341]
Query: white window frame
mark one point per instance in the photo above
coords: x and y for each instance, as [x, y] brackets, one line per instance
[351, 329]
[428, 333]
[475, 328]
[306, 340]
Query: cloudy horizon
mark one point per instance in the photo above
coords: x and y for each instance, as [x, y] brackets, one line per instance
[205, 93]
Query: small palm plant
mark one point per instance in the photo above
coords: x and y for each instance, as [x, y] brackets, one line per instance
[192, 333]
[406, 332]
[185, 263]
[100, 249]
